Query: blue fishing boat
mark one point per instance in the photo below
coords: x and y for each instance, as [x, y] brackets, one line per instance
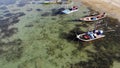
[70, 10]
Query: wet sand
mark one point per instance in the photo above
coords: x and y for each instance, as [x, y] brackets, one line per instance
[110, 8]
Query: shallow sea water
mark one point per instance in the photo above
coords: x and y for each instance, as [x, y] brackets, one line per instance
[47, 38]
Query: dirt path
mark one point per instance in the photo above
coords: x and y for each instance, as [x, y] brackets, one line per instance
[101, 5]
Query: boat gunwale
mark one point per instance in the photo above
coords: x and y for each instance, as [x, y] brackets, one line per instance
[78, 36]
[83, 19]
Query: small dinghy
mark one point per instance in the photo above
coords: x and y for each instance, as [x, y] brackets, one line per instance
[94, 18]
[70, 10]
[91, 35]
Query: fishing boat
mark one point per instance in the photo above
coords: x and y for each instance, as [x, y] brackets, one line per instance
[91, 35]
[70, 10]
[94, 18]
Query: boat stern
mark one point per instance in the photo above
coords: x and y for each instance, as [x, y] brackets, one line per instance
[78, 36]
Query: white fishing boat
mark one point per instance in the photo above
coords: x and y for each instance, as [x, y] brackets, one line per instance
[89, 36]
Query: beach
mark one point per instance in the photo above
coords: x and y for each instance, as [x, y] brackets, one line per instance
[111, 7]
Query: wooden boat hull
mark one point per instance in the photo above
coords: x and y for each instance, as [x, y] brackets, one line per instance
[89, 19]
[81, 35]
[94, 18]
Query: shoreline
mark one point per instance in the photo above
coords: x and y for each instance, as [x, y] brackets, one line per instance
[115, 2]
[102, 6]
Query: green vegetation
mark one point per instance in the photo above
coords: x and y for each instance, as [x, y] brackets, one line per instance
[48, 40]
[107, 49]
[42, 43]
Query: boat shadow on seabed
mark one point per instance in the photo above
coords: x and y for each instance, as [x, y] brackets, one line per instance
[71, 37]
[57, 11]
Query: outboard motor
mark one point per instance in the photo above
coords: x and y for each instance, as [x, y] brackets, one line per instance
[100, 32]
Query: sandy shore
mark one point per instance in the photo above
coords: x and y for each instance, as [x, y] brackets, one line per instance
[112, 8]
[114, 2]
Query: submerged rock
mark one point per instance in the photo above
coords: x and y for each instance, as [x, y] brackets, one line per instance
[3, 8]
[30, 25]
[15, 9]
[45, 14]
[6, 11]
[29, 9]
[19, 14]
[21, 5]
[11, 19]
[38, 9]
[9, 14]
